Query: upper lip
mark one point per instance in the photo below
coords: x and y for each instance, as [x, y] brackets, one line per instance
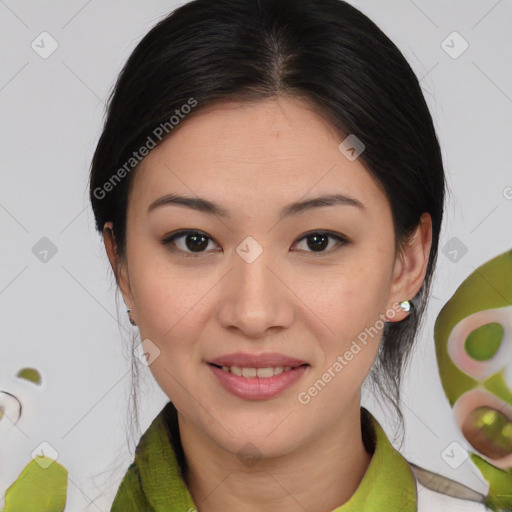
[245, 360]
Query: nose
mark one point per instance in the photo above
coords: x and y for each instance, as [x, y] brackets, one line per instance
[256, 296]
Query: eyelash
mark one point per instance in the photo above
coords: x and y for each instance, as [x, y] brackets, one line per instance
[171, 238]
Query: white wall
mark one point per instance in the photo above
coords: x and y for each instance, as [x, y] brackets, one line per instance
[60, 316]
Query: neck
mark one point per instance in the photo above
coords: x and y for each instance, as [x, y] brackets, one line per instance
[336, 462]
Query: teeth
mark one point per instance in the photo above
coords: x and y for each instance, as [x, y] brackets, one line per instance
[249, 372]
[263, 373]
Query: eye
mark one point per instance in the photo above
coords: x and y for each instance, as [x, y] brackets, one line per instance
[319, 240]
[195, 242]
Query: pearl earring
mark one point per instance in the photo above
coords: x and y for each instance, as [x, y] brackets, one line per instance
[406, 305]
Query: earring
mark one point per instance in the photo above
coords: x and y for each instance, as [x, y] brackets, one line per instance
[406, 305]
[129, 316]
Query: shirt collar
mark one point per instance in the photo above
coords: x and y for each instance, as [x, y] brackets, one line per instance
[388, 483]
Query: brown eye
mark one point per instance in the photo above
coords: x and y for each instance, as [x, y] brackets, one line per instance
[194, 243]
[317, 241]
[191, 243]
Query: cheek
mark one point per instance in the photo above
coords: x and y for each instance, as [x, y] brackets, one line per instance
[172, 316]
[170, 300]
[350, 300]
[352, 306]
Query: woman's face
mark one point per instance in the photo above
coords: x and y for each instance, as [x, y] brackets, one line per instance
[255, 279]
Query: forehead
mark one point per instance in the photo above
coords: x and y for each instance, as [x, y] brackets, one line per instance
[267, 152]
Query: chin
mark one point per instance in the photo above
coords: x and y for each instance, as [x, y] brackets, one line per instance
[250, 449]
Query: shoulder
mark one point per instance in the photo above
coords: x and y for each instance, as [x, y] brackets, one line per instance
[437, 493]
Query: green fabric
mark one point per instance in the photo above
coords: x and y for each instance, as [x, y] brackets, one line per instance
[40, 487]
[388, 485]
[153, 482]
[500, 484]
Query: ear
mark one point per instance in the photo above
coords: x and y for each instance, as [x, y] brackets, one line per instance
[411, 266]
[118, 267]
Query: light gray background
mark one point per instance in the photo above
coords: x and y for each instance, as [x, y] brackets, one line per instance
[60, 316]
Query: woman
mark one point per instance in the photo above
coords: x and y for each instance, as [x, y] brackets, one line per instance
[270, 191]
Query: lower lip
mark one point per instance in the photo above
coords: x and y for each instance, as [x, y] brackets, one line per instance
[256, 388]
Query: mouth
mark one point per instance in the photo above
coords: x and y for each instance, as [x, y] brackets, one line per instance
[262, 383]
[259, 372]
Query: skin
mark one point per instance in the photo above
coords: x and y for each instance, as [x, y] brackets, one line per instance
[253, 159]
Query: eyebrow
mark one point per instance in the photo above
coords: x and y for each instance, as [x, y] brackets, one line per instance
[204, 205]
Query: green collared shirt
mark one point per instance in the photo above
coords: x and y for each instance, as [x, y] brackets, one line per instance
[154, 482]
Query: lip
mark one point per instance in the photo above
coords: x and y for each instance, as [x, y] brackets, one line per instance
[256, 388]
[246, 360]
